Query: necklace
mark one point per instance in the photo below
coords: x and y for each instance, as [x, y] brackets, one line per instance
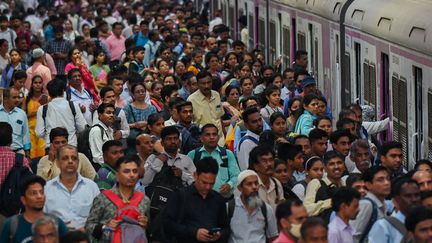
[125, 199]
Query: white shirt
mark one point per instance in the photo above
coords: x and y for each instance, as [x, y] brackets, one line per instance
[10, 36]
[153, 165]
[71, 206]
[243, 152]
[97, 138]
[85, 99]
[59, 114]
[124, 126]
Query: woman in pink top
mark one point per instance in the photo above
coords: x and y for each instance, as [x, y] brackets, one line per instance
[87, 78]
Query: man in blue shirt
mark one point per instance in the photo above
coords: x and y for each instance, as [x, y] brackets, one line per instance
[228, 168]
[142, 37]
[406, 194]
[69, 195]
[17, 118]
[33, 198]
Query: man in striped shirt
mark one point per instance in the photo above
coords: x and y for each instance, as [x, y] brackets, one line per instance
[106, 175]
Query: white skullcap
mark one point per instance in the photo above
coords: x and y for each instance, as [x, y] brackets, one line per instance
[244, 174]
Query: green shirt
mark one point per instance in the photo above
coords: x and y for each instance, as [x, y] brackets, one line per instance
[105, 177]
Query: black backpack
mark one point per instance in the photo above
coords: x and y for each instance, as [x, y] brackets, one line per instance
[325, 192]
[84, 143]
[162, 187]
[10, 192]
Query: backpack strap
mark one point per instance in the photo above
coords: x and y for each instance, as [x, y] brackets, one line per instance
[19, 158]
[102, 130]
[114, 198]
[117, 111]
[276, 189]
[68, 94]
[44, 112]
[13, 227]
[264, 213]
[246, 137]
[197, 155]
[72, 107]
[136, 198]
[223, 155]
[231, 206]
[396, 224]
[372, 219]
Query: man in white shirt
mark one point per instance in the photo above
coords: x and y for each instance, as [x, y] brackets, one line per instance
[254, 124]
[69, 195]
[101, 131]
[252, 220]
[59, 113]
[80, 96]
[6, 32]
[181, 164]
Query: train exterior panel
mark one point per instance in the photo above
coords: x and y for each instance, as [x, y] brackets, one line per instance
[383, 60]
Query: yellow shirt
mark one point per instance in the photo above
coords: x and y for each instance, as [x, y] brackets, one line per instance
[48, 169]
[207, 110]
[314, 208]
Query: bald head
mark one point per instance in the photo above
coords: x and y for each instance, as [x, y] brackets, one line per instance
[144, 144]
[424, 179]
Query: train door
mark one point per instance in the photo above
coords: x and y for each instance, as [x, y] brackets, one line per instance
[385, 88]
[293, 37]
[429, 102]
[418, 135]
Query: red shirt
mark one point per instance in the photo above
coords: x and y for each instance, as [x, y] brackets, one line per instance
[283, 238]
[7, 161]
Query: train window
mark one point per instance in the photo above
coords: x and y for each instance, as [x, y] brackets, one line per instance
[262, 33]
[273, 37]
[251, 25]
[366, 83]
[301, 41]
[316, 64]
[373, 86]
[286, 40]
[232, 20]
[400, 117]
[346, 81]
[430, 124]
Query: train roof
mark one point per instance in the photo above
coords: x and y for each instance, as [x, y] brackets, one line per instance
[329, 9]
[405, 22]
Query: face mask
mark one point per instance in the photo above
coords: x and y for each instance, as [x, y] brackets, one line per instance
[148, 85]
[295, 230]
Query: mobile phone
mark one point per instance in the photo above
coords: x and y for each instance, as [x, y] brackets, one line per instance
[213, 231]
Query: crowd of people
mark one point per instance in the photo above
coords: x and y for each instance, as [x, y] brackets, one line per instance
[147, 121]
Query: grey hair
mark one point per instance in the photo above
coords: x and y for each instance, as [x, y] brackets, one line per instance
[44, 220]
[67, 146]
[359, 143]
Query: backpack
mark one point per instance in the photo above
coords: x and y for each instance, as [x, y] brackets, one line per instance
[372, 219]
[247, 137]
[190, 138]
[325, 192]
[223, 155]
[231, 207]
[45, 110]
[84, 143]
[128, 230]
[160, 190]
[10, 192]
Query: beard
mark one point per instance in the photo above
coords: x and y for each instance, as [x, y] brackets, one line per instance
[253, 201]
